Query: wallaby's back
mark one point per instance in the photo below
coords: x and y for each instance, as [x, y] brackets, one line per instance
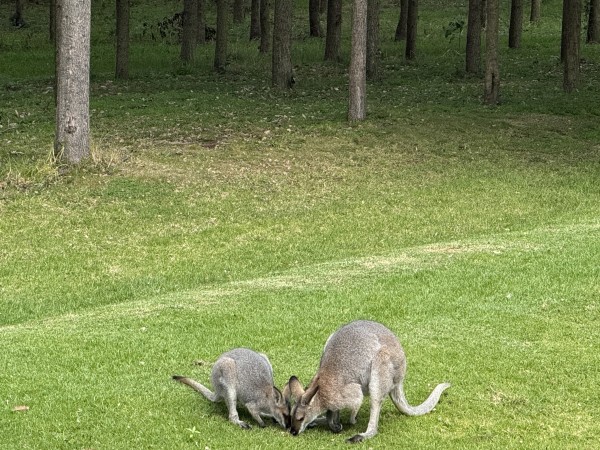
[349, 351]
[253, 373]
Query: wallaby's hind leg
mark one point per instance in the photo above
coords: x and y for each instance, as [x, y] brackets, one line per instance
[333, 420]
[224, 381]
[382, 381]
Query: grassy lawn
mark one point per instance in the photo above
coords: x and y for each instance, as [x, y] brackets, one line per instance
[217, 213]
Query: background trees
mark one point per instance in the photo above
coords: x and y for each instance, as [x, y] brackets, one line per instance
[337, 45]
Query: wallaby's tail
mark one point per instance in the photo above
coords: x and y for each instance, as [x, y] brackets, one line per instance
[401, 403]
[197, 387]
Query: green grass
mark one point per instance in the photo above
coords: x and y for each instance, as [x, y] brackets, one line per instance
[217, 213]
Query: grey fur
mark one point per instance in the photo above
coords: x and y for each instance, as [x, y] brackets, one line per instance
[361, 358]
[245, 377]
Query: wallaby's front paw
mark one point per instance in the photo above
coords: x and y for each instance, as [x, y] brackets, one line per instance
[336, 427]
[244, 425]
[355, 439]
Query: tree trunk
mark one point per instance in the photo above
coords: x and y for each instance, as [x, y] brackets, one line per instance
[314, 18]
[201, 33]
[17, 18]
[536, 7]
[52, 25]
[593, 31]
[221, 44]
[492, 71]
[334, 30]
[516, 24]
[265, 26]
[411, 29]
[72, 141]
[255, 20]
[282, 76]
[190, 27]
[483, 10]
[122, 57]
[238, 11]
[401, 27]
[372, 39]
[358, 60]
[570, 45]
[473, 53]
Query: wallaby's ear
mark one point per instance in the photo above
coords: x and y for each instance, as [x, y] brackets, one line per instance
[293, 388]
[309, 394]
[279, 398]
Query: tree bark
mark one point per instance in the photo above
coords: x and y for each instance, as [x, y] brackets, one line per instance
[492, 71]
[282, 76]
[314, 18]
[411, 29]
[122, 56]
[17, 18]
[483, 10]
[201, 33]
[334, 30]
[536, 7]
[238, 11]
[72, 140]
[190, 28]
[265, 26]
[221, 43]
[372, 39]
[402, 22]
[570, 45]
[473, 52]
[516, 24]
[255, 20]
[358, 60]
[593, 31]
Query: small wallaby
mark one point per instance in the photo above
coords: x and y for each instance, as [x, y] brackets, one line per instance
[246, 377]
[360, 358]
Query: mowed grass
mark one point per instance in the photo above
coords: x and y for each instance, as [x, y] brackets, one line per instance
[217, 213]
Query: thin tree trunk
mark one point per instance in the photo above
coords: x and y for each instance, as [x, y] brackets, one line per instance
[238, 11]
[571, 31]
[483, 10]
[265, 26]
[536, 7]
[201, 33]
[372, 39]
[473, 53]
[411, 29]
[358, 60]
[516, 24]
[593, 31]
[190, 28]
[314, 18]
[72, 141]
[492, 71]
[334, 30]
[402, 21]
[17, 18]
[282, 76]
[122, 57]
[221, 44]
[255, 20]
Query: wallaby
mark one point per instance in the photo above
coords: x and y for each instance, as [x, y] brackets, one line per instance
[244, 376]
[360, 358]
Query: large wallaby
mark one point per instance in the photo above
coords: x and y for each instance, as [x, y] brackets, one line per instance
[361, 358]
[246, 377]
